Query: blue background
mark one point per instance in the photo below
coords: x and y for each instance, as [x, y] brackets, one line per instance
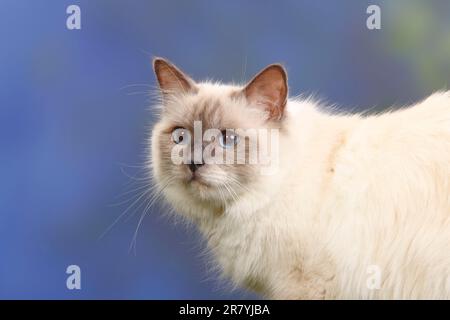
[75, 113]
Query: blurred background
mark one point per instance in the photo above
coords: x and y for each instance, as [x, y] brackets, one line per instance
[75, 115]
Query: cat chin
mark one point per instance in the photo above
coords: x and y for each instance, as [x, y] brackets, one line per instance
[203, 191]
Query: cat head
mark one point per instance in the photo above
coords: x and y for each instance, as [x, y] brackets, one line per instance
[213, 141]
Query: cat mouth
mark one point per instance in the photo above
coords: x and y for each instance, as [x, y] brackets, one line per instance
[197, 180]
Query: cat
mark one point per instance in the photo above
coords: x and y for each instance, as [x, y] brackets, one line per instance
[358, 206]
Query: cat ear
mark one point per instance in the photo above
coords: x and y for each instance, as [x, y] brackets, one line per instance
[268, 90]
[171, 80]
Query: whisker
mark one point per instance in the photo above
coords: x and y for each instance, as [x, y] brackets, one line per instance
[151, 201]
[147, 185]
[134, 177]
[122, 214]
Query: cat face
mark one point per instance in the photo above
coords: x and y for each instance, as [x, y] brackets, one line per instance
[207, 145]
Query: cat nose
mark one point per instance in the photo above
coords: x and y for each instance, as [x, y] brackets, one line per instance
[194, 166]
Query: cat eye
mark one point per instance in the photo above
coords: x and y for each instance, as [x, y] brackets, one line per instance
[228, 139]
[181, 136]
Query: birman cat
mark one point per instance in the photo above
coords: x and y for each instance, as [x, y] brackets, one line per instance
[354, 206]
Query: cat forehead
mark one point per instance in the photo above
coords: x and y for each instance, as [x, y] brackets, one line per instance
[217, 89]
[216, 106]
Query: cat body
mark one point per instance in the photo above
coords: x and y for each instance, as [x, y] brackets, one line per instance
[359, 206]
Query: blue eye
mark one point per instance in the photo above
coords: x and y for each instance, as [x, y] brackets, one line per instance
[181, 136]
[228, 139]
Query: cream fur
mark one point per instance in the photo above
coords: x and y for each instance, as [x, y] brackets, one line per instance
[351, 192]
